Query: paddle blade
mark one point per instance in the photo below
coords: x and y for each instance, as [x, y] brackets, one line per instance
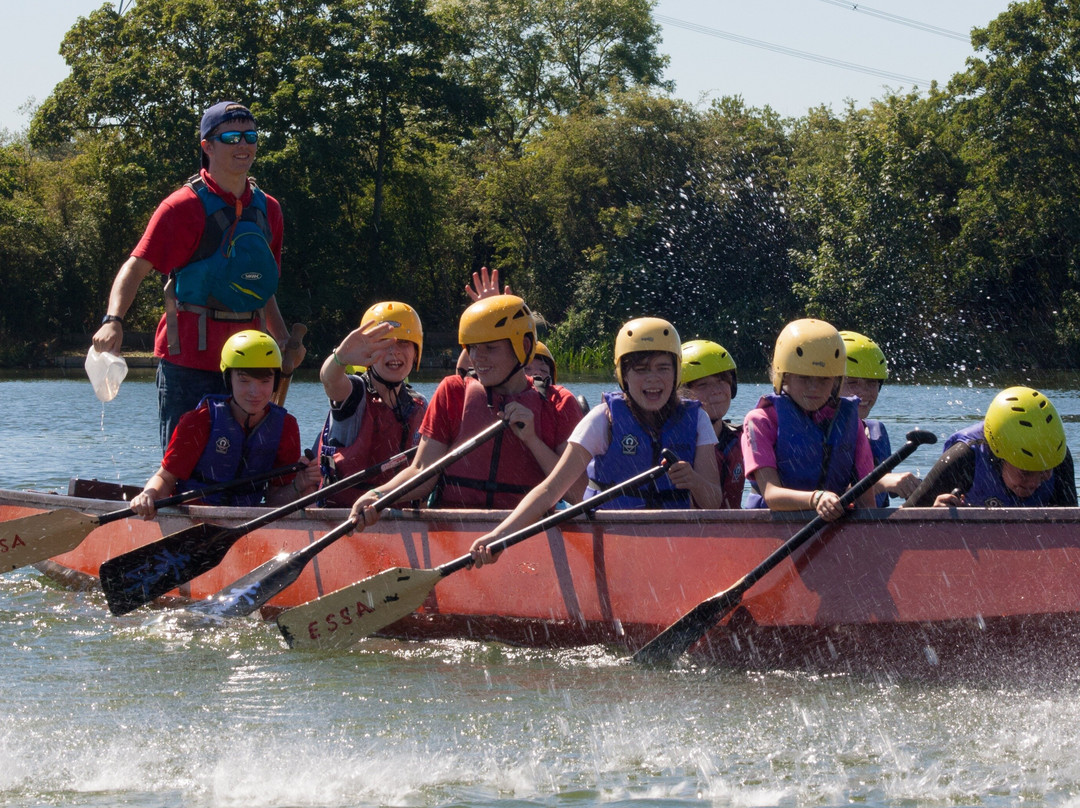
[341, 618]
[245, 595]
[672, 642]
[34, 538]
[137, 577]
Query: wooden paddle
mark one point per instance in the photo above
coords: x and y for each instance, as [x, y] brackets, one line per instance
[288, 362]
[670, 644]
[247, 594]
[359, 610]
[34, 538]
[137, 577]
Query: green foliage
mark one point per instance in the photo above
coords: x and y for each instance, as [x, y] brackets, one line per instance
[413, 141]
[880, 218]
[1018, 128]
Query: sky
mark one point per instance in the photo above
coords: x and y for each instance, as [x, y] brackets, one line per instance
[780, 53]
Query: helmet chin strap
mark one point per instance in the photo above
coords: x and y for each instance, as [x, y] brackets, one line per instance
[247, 415]
[490, 389]
[393, 388]
[518, 365]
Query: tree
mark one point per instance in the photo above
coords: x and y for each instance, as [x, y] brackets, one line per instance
[1017, 117]
[649, 208]
[874, 195]
[535, 59]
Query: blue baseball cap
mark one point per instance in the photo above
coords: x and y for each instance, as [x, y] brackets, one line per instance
[217, 115]
[220, 113]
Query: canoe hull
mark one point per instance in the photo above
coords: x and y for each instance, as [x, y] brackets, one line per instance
[908, 588]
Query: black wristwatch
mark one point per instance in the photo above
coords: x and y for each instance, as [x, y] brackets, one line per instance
[112, 318]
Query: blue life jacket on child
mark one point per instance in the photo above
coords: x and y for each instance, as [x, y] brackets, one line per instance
[229, 454]
[635, 449]
[882, 449]
[988, 488]
[810, 456]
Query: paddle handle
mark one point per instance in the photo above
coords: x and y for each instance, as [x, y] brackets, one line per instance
[288, 362]
[668, 459]
[296, 339]
[304, 554]
[217, 488]
[321, 493]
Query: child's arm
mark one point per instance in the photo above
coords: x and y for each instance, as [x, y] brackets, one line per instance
[363, 346]
[161, 485]
[702, 479]
[538, 501]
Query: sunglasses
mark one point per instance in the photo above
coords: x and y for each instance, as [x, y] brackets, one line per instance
[232, 138]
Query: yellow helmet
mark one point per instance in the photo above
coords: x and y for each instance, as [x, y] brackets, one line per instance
[499, 317]
[865, 360]
[701, 358]
[405, 320]
[250, 349]
[253, 350]
[809, 348]
[1022, 427]
[542, 350]
[647, 334]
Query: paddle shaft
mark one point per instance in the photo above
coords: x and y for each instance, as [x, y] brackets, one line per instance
[247, 594]
[140, 575]
[198, 493]
[392, 594]
[288, 362]
[668, 458]
[673, 641]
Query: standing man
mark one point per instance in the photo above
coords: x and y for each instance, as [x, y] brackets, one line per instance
[218, 240]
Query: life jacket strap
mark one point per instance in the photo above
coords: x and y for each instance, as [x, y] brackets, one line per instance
[173, 306]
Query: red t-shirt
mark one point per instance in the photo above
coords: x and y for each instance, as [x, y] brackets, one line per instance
[192, 433]
[442, 421]
[169, 241]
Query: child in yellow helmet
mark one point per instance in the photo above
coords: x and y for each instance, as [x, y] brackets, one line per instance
[1015, 457]
[866, 373]
[499, 332]
[227, 437]
[804, 445]
[374, 414]
[709, 376]
[623, 436]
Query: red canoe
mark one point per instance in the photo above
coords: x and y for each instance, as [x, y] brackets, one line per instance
[903, 590]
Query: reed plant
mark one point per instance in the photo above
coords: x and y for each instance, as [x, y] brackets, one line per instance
[586, 360]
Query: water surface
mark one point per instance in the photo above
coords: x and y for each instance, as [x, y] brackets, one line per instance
[104, 711]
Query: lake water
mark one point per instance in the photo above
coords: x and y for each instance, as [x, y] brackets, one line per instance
[105, 711]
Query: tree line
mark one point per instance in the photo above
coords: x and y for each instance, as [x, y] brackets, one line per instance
[413, 141]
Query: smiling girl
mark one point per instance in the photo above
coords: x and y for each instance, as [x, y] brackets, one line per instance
[625, 434]
[804, 445]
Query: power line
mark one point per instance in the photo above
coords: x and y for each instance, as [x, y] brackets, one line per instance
[812, 57]
[885, 15]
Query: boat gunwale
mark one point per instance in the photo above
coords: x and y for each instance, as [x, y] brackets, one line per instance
[51, 501]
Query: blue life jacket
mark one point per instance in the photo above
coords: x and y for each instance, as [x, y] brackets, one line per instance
[230, 454]
[233, 267]
[634, 449]
[882, 449]
[988, 488]
[810, 456]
